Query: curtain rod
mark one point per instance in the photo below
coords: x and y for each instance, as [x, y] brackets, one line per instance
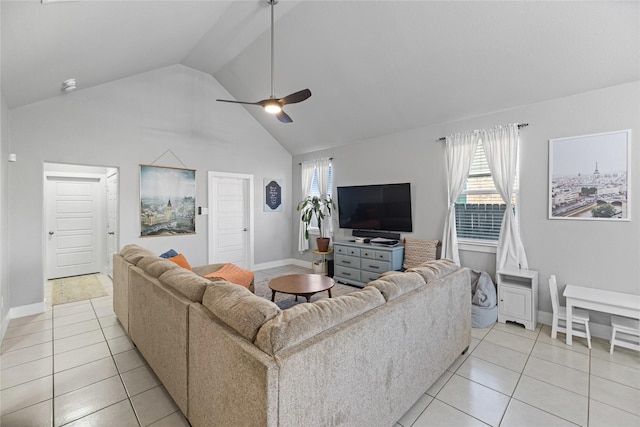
[521, 125]
[300, 164]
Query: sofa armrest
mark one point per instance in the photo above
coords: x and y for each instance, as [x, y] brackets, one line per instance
[231, 381]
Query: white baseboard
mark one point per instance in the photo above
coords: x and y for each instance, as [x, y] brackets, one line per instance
[26, 310]
[597, 329]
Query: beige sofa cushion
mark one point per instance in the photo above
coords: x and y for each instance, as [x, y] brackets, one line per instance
[394, 284]
[304, 321]
[237, 307]
[186, 282]
[433, 270]
[156, 266]
[134, 253]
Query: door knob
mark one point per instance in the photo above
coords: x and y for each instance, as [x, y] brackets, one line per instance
[51, 233]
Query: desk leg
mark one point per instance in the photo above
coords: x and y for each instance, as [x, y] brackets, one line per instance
[569, 321]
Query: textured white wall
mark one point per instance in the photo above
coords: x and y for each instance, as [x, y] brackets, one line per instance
[130, 122]
[596, 254]
[4, 189]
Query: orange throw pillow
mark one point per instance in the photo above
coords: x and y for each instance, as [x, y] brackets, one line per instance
[181, 261]
[234, 274]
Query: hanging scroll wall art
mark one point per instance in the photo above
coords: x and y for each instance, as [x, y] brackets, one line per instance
[167, 201]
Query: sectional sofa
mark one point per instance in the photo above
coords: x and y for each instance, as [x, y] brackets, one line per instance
[231, 358]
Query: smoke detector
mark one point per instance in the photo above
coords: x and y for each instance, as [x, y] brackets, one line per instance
[69, 85]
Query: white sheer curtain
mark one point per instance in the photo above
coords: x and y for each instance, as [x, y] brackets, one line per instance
[501, 148]
[322, 167]
[307, 170]
[461, 148]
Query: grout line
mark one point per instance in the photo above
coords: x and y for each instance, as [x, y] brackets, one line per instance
[53, 372]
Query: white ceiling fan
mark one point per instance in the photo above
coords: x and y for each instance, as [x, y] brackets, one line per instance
[272, 104]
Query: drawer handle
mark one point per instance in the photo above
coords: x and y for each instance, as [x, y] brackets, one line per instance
[346, 262]
[373, 266]
[346, 274]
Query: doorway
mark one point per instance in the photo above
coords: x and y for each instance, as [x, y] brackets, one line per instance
[231, 219]
[81, 219]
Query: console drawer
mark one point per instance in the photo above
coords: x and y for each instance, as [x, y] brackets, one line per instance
[347, 261]
[353, 251]
[347, 273]
[383, 256]
[368, 253]
[339, 249]
[368, 276]
[375, 265]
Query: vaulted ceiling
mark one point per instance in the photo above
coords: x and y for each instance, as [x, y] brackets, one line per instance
[374, 67]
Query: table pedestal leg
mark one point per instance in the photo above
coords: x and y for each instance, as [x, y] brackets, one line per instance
[273, 296]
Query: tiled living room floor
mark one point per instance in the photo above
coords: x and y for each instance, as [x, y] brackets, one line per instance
[73, 365]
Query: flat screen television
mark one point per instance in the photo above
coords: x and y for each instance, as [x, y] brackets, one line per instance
[384, 207]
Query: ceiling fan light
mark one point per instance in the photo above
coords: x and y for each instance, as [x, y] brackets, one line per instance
[272, 107]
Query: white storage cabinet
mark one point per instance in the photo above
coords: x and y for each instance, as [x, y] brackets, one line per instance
[518, 297]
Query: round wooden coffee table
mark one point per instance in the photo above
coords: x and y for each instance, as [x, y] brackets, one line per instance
[304, 285]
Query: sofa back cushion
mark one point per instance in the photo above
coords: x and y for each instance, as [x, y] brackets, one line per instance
[394, 284]
[186, 282]
[433, 270]
[304, 321]
[156, 266]
[237, 307]
[134, 253]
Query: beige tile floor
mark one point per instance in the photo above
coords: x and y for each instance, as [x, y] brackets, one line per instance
[73, 365]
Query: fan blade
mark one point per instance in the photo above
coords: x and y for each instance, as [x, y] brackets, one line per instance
[239, 102]
[296, 97]
[283, 117]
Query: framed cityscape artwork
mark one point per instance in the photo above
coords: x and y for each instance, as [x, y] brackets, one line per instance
[167, 201]
[589, 177]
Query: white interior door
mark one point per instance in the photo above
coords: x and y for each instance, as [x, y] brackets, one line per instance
[73, 212]
[231, 219]
[112, 220]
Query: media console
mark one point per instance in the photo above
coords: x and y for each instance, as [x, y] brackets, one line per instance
[360, 263]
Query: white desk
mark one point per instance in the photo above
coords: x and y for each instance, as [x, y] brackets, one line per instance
[627, 305]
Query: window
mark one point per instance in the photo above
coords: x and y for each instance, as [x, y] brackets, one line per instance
[480, 208]
[315, 191]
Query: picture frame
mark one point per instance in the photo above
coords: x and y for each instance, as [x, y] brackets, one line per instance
[589, 177]
[272, 195]
[167, 201]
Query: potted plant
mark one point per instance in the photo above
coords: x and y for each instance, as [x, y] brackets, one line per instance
[320, 208]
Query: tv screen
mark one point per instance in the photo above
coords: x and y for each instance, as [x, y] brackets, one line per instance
[384, 207]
